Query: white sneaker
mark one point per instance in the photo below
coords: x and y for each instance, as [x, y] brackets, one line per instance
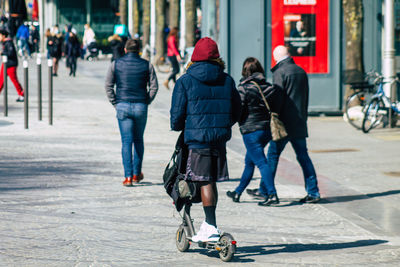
[20, 99]
[206, 233]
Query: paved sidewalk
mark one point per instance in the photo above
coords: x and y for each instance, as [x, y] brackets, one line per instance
[62, 202]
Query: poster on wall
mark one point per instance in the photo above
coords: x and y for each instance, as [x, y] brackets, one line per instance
[303, 27]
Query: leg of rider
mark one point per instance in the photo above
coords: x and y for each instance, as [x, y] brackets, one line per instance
[209, 197]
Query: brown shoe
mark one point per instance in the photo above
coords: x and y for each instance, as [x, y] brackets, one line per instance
[166, 84]
[137, 178]
[127, 182]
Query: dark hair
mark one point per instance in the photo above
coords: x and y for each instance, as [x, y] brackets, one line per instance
[4, 32]
[251, 65]
[132, 46]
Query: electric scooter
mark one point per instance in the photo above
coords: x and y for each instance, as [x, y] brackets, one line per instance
[226, 245]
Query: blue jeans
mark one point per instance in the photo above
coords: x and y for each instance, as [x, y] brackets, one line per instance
[300, 148]
[255, 143]
[132, 118]
[24, 46]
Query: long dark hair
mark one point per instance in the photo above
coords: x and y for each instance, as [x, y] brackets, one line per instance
[251, 65]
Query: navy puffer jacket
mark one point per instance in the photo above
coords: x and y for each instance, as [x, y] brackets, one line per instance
[205, 104]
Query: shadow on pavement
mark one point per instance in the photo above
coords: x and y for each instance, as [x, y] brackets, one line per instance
[46, 174]
[247, 251]
[327, 200]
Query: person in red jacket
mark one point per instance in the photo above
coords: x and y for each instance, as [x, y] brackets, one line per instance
[12, 64]
[173, 55]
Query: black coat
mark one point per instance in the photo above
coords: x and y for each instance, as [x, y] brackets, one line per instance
[255, 115]
[73, 47]
[55, 48]
[11, 53]
[294, 81]
[117, 49]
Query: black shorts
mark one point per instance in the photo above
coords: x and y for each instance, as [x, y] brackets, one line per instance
[207, 165]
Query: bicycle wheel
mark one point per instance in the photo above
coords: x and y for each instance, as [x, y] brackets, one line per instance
[375, 115]
[355, 108]
[163, 65]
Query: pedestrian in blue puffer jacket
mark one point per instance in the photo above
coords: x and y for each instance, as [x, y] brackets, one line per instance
[205, 105]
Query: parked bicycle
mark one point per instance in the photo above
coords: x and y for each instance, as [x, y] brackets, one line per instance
[380, 110]
[357, 101]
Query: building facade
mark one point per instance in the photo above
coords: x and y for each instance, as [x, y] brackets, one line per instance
[312, 29]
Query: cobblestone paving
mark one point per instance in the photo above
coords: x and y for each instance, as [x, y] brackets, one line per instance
[62, 202]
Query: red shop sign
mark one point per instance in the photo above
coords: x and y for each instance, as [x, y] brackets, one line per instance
[303, 26]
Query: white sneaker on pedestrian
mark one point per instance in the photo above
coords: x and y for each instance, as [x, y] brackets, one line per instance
[20, 99]
[206, 233]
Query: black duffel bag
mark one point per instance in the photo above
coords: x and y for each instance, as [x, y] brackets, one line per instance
[177, 188]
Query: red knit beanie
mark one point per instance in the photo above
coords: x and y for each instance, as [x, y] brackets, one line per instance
[205, 49]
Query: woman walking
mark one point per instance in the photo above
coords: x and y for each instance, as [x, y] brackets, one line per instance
[205, 105]
[173, 55]
[117, 47]
[73, 51]
[54, 43]
[254, 127]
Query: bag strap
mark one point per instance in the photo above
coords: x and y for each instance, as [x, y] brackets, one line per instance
[262, 95]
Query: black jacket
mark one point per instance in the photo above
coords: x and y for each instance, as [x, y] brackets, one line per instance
[11, 53]
[255, 115]
[205, 104]
[73, 47]
[55, 48]
[294, 81]
[117, 49]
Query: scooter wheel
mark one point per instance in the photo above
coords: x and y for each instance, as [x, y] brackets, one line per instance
[182, 243]
[228, 249]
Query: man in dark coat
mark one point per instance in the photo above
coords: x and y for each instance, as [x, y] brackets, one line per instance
[205, 105]
[293, 79]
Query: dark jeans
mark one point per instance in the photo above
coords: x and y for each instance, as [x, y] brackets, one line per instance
[255, 143]
[300, 148]
[132, 118]
[72, 64]
[175, 68]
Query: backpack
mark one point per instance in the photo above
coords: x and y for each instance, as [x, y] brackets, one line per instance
[180, 190]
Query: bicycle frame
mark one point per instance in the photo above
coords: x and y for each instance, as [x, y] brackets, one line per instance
[380, 94]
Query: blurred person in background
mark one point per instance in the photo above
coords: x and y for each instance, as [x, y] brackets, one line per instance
[23, 40]
[117, 46]
[9, 50]
[54, 44]
[34, 39]
[173, 55]
[89, 37]
[72, 51]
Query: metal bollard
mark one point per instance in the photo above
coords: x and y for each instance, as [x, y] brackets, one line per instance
[50, 64]
[5, 59]
[26, 95]
[39, 81]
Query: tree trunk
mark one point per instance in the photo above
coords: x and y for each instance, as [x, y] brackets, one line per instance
[190, 6]
[135, 17]
[174, 13]
[146, 22]
[160, 38]
[122, 11]
[353, 13]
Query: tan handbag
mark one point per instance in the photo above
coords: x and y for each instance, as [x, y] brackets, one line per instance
[278, 130]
